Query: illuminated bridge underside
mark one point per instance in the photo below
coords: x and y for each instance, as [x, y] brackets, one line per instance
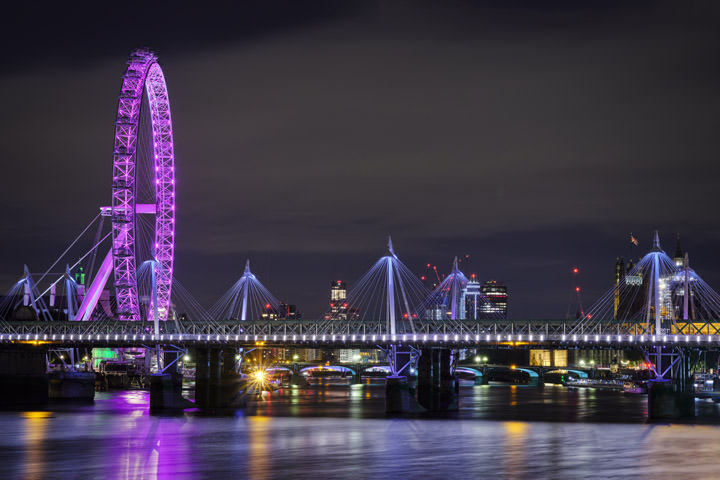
[365, 334]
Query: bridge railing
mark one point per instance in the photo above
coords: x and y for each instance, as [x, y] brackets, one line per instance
[318, 328]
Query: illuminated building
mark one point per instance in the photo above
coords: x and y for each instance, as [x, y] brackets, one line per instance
[496, 295]
[471, 298]
[338, 300]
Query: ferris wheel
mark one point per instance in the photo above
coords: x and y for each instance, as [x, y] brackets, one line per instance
[142, 211]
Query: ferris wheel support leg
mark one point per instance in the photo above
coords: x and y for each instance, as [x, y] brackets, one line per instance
[93, 294]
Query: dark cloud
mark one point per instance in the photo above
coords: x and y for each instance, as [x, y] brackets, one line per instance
[532, 138]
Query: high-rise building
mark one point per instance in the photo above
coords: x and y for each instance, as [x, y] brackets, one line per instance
[472, 299]
[338, 300]
[496, 299]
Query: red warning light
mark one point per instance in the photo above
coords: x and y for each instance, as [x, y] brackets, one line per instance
[345, 305]
[267, 305]
[405, 315]
[577, 289]
[428, 265]
[576, 270]
[422, 278]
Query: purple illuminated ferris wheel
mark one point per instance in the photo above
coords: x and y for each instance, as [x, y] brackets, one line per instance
[143, 75]
[143, 199]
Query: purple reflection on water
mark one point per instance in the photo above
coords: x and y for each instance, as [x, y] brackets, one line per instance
[342, 432]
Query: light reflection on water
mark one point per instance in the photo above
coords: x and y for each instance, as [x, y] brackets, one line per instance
[342, 432]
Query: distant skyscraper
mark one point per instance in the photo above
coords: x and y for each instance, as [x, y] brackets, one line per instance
[496, 299]
[338, 300]
[472, 301]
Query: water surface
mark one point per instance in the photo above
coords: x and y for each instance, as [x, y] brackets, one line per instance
[342, 432]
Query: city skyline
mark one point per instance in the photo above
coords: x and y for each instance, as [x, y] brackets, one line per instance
[533, 139]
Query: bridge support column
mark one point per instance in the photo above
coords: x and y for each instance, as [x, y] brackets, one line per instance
[166, 387]
[437, 388]
[72, 386]
[217, 384]
[399, 397]
[670, 394]
[296, 378]
[666, 400]
[357, 376]
[397, 394]
[23, 375]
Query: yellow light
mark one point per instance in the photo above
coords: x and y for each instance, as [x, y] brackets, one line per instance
[259, 376]
[513, 367]
[36, 414]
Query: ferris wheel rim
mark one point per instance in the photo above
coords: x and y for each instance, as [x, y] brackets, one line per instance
[143, 76]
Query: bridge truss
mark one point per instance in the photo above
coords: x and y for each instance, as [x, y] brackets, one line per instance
[350, 334]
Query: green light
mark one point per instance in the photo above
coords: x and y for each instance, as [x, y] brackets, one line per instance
[100, 354]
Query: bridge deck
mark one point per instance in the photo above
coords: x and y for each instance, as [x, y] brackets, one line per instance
[318, 334]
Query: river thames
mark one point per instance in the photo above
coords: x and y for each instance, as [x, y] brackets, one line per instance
[342, 432]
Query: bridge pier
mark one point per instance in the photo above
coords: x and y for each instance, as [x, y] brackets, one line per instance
[296, 378]
[397, 394]
[357, 376]
[399, 397]
[71, 386]
[666, 401]
[670, 394]
[217, 384]
[437, 387]
[166, 387]
[23, 375]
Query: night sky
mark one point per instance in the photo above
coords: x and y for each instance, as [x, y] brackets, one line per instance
[532, 138]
